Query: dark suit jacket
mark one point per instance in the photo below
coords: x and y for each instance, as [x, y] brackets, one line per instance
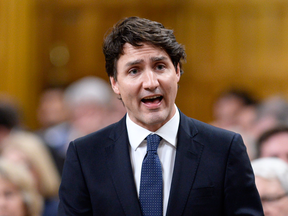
[212, 174]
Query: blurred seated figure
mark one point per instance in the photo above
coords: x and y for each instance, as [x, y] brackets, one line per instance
[27, 149]
[92, 105]
[18, 194]
[9, 116]
[271, 113]
[271, 177]
[274, 143]
[89, 101]
[52, 111]
[51, 108]
[235, 110]
[228, 107]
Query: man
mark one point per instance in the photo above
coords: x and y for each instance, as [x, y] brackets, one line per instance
[274, 143]
[203, 170]
[271, 176]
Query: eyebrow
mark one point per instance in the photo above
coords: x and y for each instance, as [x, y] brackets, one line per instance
[160, 58]
[138, 61]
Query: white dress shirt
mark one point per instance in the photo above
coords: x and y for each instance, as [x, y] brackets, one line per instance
[166, 151]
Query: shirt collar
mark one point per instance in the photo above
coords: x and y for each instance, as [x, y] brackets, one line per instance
[168, 131]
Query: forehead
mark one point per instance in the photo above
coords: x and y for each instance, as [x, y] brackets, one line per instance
[278, 139]
[146, 50]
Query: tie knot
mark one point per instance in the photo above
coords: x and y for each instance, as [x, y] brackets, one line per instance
[153, 141]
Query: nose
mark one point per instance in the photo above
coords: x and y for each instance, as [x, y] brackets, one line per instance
[150, 80]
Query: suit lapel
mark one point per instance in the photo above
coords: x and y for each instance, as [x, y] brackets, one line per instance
[119, 165]
[186, 163]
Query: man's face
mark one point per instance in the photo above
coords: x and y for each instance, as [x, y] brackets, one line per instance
[147, 83]
[276, 146]
[273, 196]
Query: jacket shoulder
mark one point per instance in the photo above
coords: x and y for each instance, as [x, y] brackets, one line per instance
[202, 129]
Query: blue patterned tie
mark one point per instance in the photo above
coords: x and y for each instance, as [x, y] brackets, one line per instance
[151, 185]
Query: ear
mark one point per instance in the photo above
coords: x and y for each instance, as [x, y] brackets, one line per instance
[114, 85]
[178, 72]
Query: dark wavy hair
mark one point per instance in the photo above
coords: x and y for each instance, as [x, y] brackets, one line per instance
[136, 31]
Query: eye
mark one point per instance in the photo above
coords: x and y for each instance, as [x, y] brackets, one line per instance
[160, 66]
[133, 71]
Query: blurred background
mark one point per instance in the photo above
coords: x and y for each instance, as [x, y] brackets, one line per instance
[54, 88]
[229, 43]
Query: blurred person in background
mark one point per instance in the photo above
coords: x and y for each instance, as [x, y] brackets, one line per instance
[25, 148]
[235, 110]
[271, 112]
[89, 102]
[9, 116]
[51, 108]
[18, 193]
[274, 143]
[271, 116]
[271, 177]
[245, 121]
[229, 105]
[53, 116]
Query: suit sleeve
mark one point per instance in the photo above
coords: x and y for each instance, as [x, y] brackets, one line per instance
[73, 192]
[241, 195]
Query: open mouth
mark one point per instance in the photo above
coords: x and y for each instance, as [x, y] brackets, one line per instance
[152, 100]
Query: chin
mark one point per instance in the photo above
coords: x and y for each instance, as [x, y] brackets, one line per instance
[156, 119]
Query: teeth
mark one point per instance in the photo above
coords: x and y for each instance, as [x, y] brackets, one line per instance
[153, 97]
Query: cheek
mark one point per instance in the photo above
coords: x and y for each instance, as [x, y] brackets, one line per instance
[284, 206]
[130, 91]
[18, 207]
[129, 99]
[267, 150]
[172, 89]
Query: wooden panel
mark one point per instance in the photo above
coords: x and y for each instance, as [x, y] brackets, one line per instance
[234, 44]
[228, 43]
[18, 77]
[81, 30]
[3, 45]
